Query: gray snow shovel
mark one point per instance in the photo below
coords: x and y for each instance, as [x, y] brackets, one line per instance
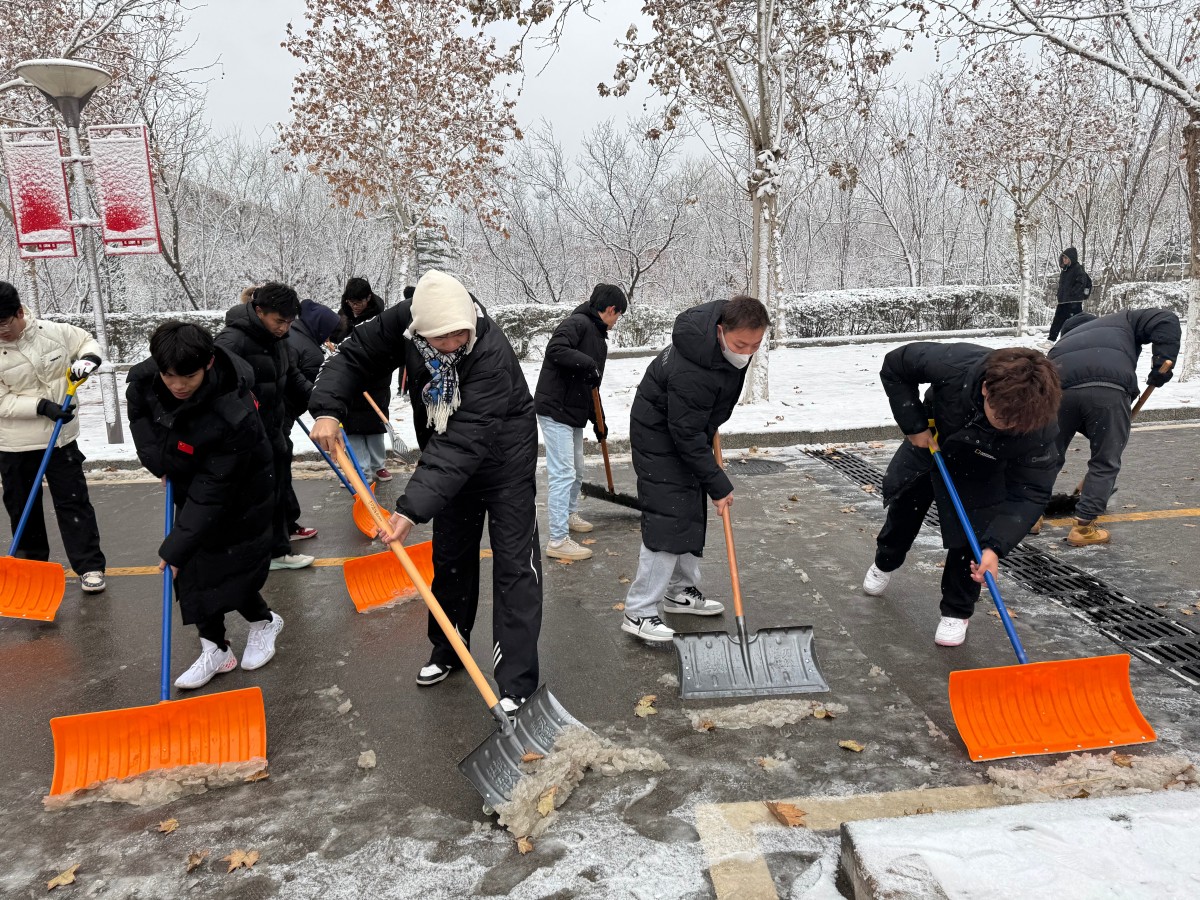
[768, 663]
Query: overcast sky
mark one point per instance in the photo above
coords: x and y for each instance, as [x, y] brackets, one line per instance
[251, 84]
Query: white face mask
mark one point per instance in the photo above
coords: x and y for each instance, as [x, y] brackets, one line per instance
[737, 360]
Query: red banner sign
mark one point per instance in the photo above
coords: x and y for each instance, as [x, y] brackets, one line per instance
[125, 188]
[37, 185]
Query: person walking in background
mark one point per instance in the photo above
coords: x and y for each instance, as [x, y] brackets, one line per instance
[1074, 287]
[256, 332]
[194, 420]
[361, 423]
[572, 368]
[36, 357]
[306, 351]
[687, 393]
[1097, 360]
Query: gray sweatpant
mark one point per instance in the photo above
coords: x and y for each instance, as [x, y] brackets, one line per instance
[660, 575]
[1101, 413]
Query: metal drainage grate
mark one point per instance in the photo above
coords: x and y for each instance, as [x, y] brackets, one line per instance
[1141, 630]
[745, 466]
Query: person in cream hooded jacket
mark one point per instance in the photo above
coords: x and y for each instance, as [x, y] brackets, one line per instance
[35, 357]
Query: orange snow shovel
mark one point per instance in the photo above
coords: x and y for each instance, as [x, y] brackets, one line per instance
[214, 729]
[494, 767]
[376, 580]
[1062, 706]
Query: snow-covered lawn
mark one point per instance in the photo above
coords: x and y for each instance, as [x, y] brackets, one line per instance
[812, 389]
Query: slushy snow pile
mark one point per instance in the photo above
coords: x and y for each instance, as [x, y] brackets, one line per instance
[150, 789]
[1095, 775]
[772, 713]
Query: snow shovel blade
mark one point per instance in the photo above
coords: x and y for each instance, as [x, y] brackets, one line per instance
[598, 492]
[379, 579]
[362, 517]
[769, 663]
[30, 588]
[208, 730]
[494, 767]
[1063, 706]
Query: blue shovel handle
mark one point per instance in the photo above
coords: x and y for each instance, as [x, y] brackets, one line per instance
[164, 689]
[325, 456]
[36, 490]
[970, 532]
[354, 459]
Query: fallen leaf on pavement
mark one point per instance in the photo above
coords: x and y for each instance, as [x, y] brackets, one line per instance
[624, 579]
[195, 859]
[703, 724]
[869, 488]
[485, 554]
[258, 776]
[995, 614]
[545, 804]
[524, 845]
[645, 706]
[240, 859]
[168, 825]
[768, 762]
[822, 713]
[794, 498]
[611, 553]
[787, 813]
[618, 606]
[530, 756]
[588, 541]
[62, 878]
[1124, 760]
[1188, 612]
[847, 509]
[565, 562]
[852, 745]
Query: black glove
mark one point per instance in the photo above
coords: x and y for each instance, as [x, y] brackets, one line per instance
[1156, 378]
[601, 433]
[592, 377]
[54, 412]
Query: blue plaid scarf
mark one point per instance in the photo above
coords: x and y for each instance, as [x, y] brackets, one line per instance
[441, 394]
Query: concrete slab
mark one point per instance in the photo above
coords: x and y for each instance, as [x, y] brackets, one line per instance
[1133, 848]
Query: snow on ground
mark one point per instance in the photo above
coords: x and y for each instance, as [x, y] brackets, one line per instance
[812, 389]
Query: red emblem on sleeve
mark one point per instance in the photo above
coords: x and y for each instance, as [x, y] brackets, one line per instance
[185, 448]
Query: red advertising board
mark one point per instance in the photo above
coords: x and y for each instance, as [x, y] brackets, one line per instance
[125, 188]
[37, 185]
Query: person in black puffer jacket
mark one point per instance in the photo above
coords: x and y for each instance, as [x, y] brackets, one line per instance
[1074, 287]
[363, 425]
[256, 332]
[572, 368]
[478, 437]
[995, 413]
[306, 352]
[194, 420]
[1097, 361]
[687, 393]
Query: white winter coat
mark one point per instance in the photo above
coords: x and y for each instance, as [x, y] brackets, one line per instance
[32, 368]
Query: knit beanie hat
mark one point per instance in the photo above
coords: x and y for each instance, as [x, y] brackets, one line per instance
[441, 305]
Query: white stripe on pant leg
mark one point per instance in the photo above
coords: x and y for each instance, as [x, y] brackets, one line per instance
[497, 655]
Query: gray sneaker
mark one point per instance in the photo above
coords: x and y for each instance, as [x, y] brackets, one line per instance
[690, 602]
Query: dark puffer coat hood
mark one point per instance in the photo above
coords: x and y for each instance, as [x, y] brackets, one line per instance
[319, 320]
[1106, 350]
[1072, 254]
[687, 393]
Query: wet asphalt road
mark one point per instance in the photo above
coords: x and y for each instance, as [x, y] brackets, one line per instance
[412, 827]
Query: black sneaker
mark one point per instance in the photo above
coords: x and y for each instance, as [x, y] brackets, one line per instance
[433, 672]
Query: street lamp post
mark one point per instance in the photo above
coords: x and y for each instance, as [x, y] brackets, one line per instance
[68, 85]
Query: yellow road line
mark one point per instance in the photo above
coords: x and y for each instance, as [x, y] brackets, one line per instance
[331, 561]
[1147, 516]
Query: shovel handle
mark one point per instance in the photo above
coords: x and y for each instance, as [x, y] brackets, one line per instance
[730, 552]
[1162, 370]
[435, 608]
[603, 441]
[164, 685]
[375, 406]
[325, 456]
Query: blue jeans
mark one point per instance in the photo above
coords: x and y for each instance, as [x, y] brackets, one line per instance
[564, 466]
[371, 452]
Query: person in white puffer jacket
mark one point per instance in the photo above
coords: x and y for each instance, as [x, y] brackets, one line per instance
[35, 357]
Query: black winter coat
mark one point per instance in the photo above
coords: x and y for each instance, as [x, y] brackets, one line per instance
[306, 355]
[577, 350]
[491, 440]
[215, 450]
[1004, 479]
[276, 380]
[360, 418]
[1074, 284]
[1106, 350]
[687, 393]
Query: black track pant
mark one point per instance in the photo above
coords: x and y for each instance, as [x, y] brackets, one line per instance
[72, 506]
[516, 579]
[1102, 414]
[1062, 312]
[212, 628]
[905, 515]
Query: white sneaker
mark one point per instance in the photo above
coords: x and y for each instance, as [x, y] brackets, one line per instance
[690, 602]
[511, 705]
[650, 628]
[578, 523]
[567, 549]
[260, 645]
[292, 561]
[876, 581]
[213, 661]
[92, 582]
[950, 632]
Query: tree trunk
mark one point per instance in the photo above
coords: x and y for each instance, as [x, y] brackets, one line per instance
[757, 388]
[1190, 362]
[1021, 229]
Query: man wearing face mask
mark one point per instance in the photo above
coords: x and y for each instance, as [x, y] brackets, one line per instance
[687, 393]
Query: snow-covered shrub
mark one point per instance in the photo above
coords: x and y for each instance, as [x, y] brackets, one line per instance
[1142, 295]
[900, 309]
[528, 326]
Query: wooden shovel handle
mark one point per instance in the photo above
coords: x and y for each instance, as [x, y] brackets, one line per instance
[464, 655]
[730, 552]
[375, 406]
[603, 441]
[1162, 370]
